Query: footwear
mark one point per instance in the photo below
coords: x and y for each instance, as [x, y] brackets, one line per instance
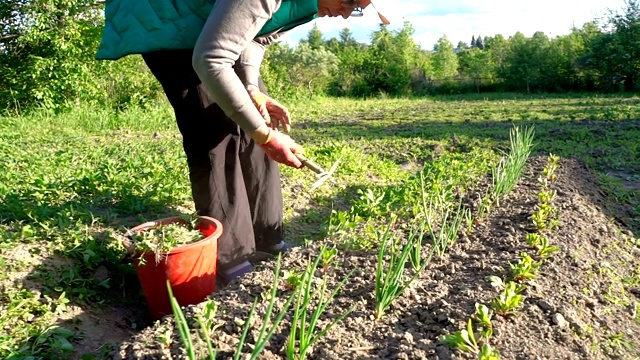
[278, 248]
[268, 253]
[234, 272]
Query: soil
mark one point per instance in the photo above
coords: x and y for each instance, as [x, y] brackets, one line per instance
[582, 305]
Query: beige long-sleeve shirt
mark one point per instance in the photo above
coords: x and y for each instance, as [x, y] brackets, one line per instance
[227, 39]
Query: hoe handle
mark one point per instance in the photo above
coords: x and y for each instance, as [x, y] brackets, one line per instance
[310, 164]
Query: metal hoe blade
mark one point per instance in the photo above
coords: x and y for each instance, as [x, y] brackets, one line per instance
[320, 172]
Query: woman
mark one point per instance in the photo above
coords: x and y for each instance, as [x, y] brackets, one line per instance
[207, 58]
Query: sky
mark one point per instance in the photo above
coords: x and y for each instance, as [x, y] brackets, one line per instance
[461, 19]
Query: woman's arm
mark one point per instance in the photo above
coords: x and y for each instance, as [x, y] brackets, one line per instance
[227, 34]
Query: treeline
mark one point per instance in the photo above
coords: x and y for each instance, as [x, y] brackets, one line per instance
[47, 51]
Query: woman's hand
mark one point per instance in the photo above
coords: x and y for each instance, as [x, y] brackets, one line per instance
[274, 114]
[278, 146]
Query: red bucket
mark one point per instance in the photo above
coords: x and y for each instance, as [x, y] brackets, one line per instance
[190, 268]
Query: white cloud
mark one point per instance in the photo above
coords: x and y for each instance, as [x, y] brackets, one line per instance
[460, 19]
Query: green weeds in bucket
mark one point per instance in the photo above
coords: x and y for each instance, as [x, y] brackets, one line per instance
[163, 238]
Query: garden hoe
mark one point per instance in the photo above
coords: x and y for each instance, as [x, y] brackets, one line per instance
[321, 174]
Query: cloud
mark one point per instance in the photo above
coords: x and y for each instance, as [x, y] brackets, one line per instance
[461, 19]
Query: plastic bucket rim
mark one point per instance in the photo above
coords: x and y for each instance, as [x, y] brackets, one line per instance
[171, 220]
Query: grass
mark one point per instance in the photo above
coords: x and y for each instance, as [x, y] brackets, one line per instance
[70, 183]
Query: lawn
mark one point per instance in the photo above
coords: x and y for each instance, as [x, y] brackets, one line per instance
[72, 183]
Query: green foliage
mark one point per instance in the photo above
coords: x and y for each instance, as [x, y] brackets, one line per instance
[464, 339]
[304, 326]
[48, 59]
[478, 65]
[161, 239]
[526, 269]
[391, 280]
[509, 300]
[268, 327]
[303, 66]
[444, 60]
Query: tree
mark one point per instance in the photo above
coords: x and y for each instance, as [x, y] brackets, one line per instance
[526, 60]
[479, 43]
[473, 41]
[477, 65]
[314, 38]
[444, 59]
[47, 51]
[462, 46]
[498, 48]
[624, 46]
[304, 66]
[346, 38]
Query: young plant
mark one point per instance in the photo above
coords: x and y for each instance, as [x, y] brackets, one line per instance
[449, 228]
[542, 216]
[546, 196]
[206, 322]
[535, 240]
[265, 332]
[292, 279]
[488, 353]
[416, 237]
[303, 328]
[463, 340]
[507, 172]
[526, 269]
[182, 325]
[509, 300]
[546, 250]
[327, 257]
[483, 316]
[390, 281]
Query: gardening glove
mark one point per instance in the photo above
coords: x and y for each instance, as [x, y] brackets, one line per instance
[278, 146]
[274, 113]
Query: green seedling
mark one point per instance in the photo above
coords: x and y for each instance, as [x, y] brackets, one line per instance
[183, 326]
[265, 332]
[292, 279]
[303, 328]
[56, 338]
[463, 340]
[416, 237]
[488, 353]
[509, 300]
[526, 269]
[164, 337]
[549, 173]
[495, 281]
[546, 196]
[535, 240]
[546, 250]
[390, 280]
[483, 316]
[542, 216]
[327, 257]
[206, 322]
[507, 172]
[449, 228]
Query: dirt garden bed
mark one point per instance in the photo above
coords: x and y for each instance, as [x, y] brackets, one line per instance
[582, 305]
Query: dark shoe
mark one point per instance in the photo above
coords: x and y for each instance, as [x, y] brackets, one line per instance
[268, 253]
[232, 273]
[281, 247]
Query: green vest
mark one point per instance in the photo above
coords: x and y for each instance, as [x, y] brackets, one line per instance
[139, 26]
